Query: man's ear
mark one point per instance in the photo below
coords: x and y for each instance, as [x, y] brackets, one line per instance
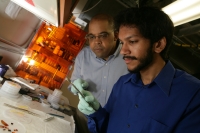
[160, 45]
[115, 36]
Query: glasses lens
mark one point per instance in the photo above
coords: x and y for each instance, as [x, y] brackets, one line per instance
[90, 37]
[101, 36]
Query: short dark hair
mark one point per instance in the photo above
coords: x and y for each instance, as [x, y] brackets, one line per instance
[152, 23]
[104, 17]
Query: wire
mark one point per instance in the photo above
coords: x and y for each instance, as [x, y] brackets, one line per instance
[89, 8]
[137, 3]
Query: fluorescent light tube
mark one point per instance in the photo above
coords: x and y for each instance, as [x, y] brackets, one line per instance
[183, 11]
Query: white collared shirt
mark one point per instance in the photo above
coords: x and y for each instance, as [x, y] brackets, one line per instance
[100, 74]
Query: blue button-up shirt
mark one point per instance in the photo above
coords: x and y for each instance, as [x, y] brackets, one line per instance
[170, 104]
[100, 74]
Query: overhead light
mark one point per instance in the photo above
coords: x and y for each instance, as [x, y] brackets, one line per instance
[183, 11]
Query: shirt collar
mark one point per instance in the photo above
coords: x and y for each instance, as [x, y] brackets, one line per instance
[93, 54]
[134, 77]
[163, 80]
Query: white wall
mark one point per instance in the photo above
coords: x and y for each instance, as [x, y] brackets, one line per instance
[11, 56]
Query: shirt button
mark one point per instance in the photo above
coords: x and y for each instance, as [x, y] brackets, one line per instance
[128, 125]
[104, 77]
[136, 106]
[103, 90]
[106, 64]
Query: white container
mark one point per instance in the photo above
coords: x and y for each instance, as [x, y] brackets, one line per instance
[55, 105]
[11, 87]
[53, 99]
[57, 93]
[49, 98]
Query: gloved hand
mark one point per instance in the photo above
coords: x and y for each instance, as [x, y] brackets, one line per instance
[87, 105]
[80, 84]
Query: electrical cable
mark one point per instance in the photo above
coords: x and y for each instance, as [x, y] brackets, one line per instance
[88, 9]
[137, 3]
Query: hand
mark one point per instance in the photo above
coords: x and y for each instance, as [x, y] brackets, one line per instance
[80, 84]
[85, 103]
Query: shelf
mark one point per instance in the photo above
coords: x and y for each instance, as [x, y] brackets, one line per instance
[52, 70]
[53, 50]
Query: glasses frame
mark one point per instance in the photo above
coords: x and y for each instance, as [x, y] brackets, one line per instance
[102, 36]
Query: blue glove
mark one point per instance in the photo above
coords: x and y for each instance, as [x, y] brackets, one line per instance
[87, 105]
[80, 84]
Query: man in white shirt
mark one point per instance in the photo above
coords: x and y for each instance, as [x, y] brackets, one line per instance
[100, 63]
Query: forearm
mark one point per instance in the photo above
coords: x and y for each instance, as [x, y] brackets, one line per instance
[97, 122]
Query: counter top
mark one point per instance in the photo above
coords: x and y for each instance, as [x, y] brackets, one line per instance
[35, 124]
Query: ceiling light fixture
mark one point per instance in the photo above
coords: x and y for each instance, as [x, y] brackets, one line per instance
[183, 11]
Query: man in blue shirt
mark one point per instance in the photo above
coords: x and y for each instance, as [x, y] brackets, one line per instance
[154, 97]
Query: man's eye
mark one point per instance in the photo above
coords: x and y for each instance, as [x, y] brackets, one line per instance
[103, 35]
[132, 42]
[91, 37]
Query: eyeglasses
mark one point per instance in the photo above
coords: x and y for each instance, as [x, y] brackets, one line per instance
[101, 36]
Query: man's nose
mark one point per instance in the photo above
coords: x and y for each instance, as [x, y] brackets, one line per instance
[97, 39]
[124, 49]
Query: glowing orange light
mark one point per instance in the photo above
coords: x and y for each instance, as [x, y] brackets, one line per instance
[24, 58]
[32, 62]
